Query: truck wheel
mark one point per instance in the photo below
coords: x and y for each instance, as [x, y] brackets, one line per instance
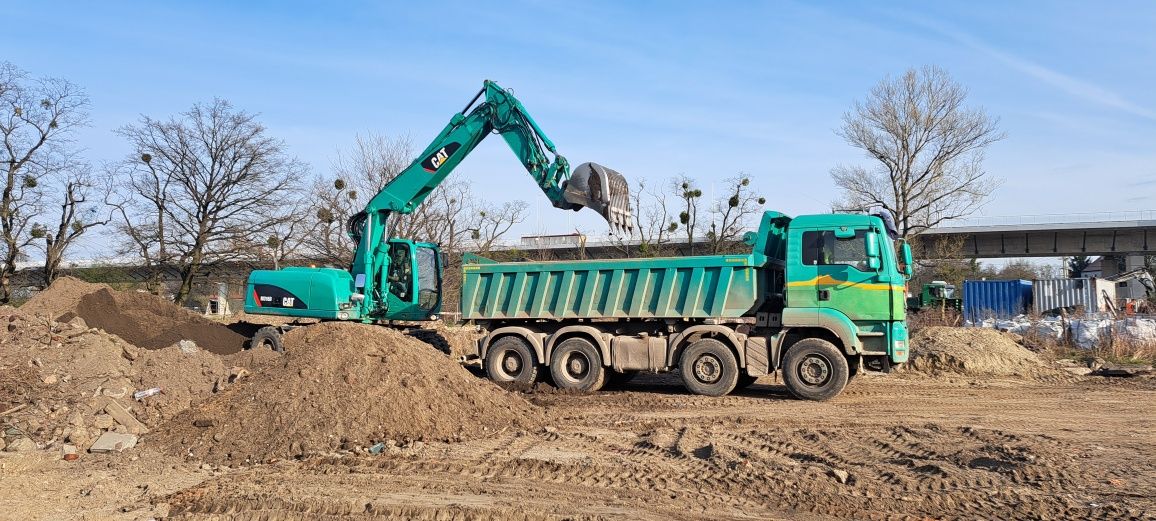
[576, 365]
[709, 367]
[814, 369]
[267, 336]
[510, 363]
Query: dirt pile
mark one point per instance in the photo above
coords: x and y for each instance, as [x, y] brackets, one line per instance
[60, 297]
[344, 386]
[455, 341]
[142, 319]
[63, 378]
[152, 322]
[973, 351]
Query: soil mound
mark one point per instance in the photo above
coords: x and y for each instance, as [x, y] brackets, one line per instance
[152, 322]
[60, 297]
[343, 386]
[972, 351]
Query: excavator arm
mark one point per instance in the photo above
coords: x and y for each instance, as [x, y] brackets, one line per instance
[589, 186]
[1140, 274]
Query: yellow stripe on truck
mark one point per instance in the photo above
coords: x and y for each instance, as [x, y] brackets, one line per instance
[827, 280]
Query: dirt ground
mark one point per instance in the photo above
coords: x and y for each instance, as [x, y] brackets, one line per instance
[890, 447]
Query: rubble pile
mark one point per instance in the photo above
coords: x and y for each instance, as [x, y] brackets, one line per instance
[65, 384]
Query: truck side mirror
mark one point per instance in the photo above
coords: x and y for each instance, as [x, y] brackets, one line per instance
[908, 262]
[871, 243]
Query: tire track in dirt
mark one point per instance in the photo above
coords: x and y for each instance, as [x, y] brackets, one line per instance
[647, 456]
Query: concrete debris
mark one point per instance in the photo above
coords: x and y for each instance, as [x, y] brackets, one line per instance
[187, 346]
[113, 442]
[21, 445]
[103, 421]
[123, 417]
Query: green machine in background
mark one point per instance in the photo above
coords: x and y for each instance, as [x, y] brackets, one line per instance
[936, 294]
[399, 279]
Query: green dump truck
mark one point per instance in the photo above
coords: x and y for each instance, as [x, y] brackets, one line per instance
[819, 296]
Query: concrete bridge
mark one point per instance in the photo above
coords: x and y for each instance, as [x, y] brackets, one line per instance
[1058, 235]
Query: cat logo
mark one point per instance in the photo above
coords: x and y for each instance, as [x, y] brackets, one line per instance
[432, 163]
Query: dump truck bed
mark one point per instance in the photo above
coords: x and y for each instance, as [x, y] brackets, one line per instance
[714, 286]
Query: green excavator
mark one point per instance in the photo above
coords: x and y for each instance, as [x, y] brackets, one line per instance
[398, 279]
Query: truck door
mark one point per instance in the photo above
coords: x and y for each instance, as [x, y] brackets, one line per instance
[845, 280]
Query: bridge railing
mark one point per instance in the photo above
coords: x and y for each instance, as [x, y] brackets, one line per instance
[1056, 218]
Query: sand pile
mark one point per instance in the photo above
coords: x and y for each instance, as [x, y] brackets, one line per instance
[972, 351]
[344, 386]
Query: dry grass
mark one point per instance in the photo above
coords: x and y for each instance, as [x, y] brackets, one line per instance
[1126, 350]
[18, 384]
[926, 318]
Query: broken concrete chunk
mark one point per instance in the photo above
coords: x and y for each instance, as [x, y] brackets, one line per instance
[113, 442]
[123, 417]
[21, 445]
[187, 346]
[103, 421]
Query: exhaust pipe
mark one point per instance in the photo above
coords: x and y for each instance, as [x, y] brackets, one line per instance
[603, 190]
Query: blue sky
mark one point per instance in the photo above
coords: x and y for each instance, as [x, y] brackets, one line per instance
[652, 89]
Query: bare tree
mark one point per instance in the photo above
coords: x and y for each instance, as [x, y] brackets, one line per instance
[141, 205]
[78, 214]
[928, 147]
[730, 216]
[287, 238]
[493, 222]
[37, 117]
[208, 183]
[654, 224]
[685, 188]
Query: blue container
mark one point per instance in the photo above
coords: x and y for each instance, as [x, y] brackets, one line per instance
[999, 299]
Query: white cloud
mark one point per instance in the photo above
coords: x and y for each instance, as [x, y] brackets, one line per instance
[1075, 87]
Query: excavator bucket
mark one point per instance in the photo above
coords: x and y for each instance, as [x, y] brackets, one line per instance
[603, 190]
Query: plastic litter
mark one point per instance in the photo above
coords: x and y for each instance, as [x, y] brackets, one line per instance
[140, 395]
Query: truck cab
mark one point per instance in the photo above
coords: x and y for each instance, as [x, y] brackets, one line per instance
[844, 280]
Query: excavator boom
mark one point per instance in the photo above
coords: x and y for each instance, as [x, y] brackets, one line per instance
[589, 186]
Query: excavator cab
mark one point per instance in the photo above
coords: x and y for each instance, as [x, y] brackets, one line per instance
[412, 280]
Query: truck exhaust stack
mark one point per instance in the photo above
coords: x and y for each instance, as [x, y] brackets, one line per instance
[603, 190]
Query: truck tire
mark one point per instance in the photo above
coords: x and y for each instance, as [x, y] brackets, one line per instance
[709, 368]
[814, 369]
[267, 336]
[576, 365]
[510, 363]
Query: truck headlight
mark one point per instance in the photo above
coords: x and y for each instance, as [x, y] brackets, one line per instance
[343, 315]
